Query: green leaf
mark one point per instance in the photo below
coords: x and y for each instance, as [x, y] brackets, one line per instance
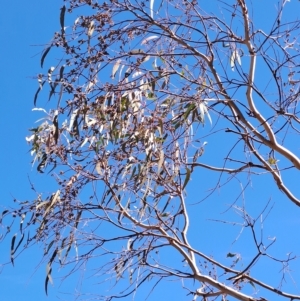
[188, 111]
[187, 178]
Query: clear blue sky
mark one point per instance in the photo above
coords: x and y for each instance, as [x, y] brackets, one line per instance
[24, 27]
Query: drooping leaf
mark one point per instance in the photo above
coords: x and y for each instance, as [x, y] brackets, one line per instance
[44, 55]
[37, 93]
[52, 90]
[2, 215]
[77, 219]
[151, 8]
[188, 110]
[42, 164]
[61, 72]
[50, 71]
[12, 248]
[203, 110]
[238, 57]
[115, 68]
[56, 132]
[19, 243]
[187, 177]
[22, 220]
[160, 161]
[48, 277]
[49, 247]
[62, 18]
[48, 271]
[53, 200]
[232, 59]
[76, 249]
[72, 120]
[91, 29]
[252, 284]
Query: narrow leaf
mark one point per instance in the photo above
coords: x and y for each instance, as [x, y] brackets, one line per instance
[49, 247]
[151, 8]
[19, 243]
[72, 120]
[22, 220]
[187, 178]
[50, 71]
[232, 58]
[48, 277]
[12, 251]
[145, 41]
[61, 72]
[115, 68]
[62, 18]
[2, 215]
[99, 168]
[160, 161]
[91, 29]
[37, 93]
[44, 55]
[238, 57]
[56, 132]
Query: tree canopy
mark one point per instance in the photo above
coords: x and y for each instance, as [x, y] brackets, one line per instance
[146, 100]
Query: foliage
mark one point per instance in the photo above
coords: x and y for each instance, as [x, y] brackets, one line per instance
[138, 91]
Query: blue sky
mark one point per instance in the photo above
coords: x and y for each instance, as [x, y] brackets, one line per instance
[25, 26]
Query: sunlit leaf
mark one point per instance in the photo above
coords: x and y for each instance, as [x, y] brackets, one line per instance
[115, 68]
[91, 29]
[161, 160]
[232, 59]
[22, 221]
[238, 57]
[145, 41]
[48, 277]
[151, 8]
[50, 71]
[187, 177]
[272, 160]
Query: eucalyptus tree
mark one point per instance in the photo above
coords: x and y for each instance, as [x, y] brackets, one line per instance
[140, 91]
